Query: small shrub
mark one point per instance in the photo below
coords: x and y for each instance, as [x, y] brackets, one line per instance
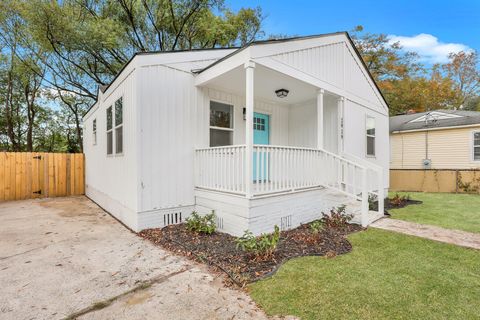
[316, 226]
[263, 246]
[202, 224]
[399, 201]
[338, 218]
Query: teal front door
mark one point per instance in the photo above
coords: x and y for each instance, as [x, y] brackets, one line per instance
[261, 135]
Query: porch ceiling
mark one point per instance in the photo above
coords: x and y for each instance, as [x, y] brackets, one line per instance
[266, 82]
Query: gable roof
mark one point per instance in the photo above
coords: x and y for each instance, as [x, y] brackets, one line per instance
[104, 88]
[433, 119]
[274, 41]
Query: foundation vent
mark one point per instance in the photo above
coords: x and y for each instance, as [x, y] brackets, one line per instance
[219, 223]
[172, 218]
[286, 222]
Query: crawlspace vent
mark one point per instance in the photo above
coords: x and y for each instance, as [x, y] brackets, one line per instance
[219, 222]
[172, 218]
[286, 222]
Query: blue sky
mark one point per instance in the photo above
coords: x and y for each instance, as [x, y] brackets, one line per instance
[431, 28]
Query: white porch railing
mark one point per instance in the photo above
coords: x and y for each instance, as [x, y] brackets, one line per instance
[221, 169]
[279, 169]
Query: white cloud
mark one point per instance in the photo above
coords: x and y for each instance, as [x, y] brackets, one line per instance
[428, 47]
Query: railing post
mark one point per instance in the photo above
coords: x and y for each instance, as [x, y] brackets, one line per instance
[381, 193]
[249, 105]
[320, 119]
[364, 214]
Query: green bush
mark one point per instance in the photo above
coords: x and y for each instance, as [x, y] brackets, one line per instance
[338, 218]
[263, 246]
[316, 226]
[202, 224]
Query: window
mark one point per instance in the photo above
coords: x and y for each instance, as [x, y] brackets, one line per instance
[258, 124]
[119, 126]
[109, 131]
[370, 136]
[94, 138]
[221, 124]
[476, 146]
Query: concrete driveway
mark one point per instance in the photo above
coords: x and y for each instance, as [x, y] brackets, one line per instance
[66, 258]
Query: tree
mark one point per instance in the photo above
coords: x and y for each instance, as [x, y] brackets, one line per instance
[408, 84]
[385, 60]
[22, 81]
[68, 48]
[463, 71]
[89, 41]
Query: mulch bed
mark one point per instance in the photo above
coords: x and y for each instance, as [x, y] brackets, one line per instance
[394, 205]
[390, 205]
[220, 251]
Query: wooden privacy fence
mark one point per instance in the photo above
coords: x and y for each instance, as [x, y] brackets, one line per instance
[435, 180]
[26, 175]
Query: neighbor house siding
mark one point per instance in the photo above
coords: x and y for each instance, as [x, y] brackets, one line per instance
[447, 149]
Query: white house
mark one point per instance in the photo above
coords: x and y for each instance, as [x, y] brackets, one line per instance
[269, 134]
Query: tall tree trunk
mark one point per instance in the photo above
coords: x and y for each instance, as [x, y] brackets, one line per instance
[30, 100]
[79, 131]
[9, 111]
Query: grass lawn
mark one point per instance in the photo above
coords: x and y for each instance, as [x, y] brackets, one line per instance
[386, 276]
[447, 210]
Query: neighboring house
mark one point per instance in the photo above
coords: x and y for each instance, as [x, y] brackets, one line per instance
[440, 139]
[269, 134]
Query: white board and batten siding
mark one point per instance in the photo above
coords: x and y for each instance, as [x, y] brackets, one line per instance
[279, 114]
[167, 141]
[111, 180]
[155, 124]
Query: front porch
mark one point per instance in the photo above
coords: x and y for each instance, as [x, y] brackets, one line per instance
[302, 152]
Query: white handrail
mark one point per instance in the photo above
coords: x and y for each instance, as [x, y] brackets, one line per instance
[379, 191]
[280, 169]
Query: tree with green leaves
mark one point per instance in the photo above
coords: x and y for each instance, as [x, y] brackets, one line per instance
[463, 71]
[68, 48]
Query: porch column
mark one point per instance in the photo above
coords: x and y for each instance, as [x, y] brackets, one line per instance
[341, 126]
[249, 105]
[320, 118]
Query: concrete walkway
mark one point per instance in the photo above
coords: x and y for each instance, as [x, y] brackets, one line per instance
[457, 237]
[66, 258]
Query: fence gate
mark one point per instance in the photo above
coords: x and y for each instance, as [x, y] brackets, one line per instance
[26, 175]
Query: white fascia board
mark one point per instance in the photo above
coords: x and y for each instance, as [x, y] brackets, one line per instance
[182, 56]
[271, 49]
[222, 67]
[91, 111]
[294, 73]
[437, 128]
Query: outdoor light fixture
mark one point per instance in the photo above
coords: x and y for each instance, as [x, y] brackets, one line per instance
[244, 113]
[281, 93]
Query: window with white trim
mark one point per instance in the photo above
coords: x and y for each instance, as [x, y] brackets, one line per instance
[109, 130]
[476, 146]
[94, 131]
[119, 126]
[221, 124]
[370, 131]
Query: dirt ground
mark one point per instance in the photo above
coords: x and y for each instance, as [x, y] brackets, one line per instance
[67, 258]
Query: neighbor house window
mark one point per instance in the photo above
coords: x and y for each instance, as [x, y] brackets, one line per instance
[109, 130]
[370, 124]
[119, 126]
[221, 124]
[94, 131]
[476, 146]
